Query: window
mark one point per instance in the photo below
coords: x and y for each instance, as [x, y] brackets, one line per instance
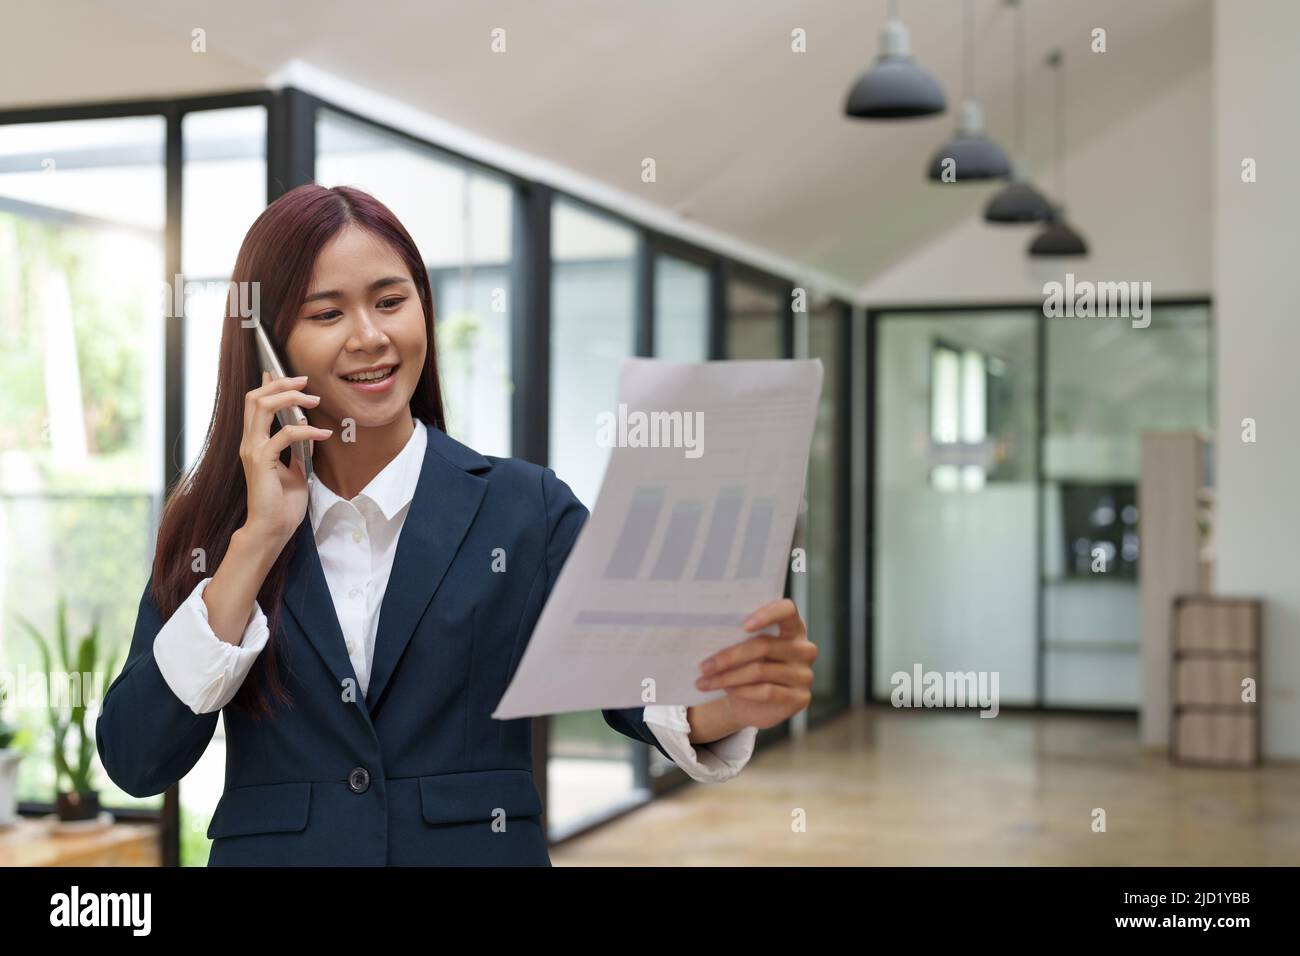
[81, 256]
[755, 318]
[591, 769]
[223, 191]
[224, 177]
[821, 590]
[461, 220]
[681, 319]
[966, 387]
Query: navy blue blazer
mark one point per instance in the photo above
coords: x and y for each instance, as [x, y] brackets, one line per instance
[417, 772]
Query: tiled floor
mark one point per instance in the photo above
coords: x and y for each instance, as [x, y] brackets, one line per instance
[921, 787]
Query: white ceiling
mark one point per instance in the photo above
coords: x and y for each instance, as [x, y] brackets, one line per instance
[749, 138]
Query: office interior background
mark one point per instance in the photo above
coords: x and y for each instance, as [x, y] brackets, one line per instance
[973, 455]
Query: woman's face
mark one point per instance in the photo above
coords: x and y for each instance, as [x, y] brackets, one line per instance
[359, 336]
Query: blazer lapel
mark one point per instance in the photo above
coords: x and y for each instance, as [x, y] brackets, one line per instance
[447, 498]
[307, 596]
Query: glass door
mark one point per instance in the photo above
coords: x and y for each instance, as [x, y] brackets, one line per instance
[955, 560]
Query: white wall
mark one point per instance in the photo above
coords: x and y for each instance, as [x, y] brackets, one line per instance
[1256, 257]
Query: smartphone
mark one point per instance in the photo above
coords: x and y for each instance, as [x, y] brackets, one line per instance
[293, 415]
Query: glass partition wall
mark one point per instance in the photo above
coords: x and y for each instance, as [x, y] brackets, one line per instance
[105, 206]
[1005, 453]
[1106, 384]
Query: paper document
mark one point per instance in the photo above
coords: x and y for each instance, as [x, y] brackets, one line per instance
[690, 534]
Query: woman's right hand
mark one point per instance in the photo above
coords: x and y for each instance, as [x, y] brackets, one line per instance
[277, 495]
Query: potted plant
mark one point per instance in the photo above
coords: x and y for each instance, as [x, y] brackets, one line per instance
[74, 779]
[12, 742]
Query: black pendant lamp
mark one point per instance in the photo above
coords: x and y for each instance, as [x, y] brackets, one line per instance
[1018, 202]
[896, 86]
[973, 155]
[1059, 238]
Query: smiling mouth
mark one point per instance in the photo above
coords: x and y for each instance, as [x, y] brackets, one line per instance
[370, 377]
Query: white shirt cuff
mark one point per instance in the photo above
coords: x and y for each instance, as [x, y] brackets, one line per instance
[201, 669]
[713, 762]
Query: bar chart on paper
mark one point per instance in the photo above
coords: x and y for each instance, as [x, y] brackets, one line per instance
[683, 524]
[679, 548]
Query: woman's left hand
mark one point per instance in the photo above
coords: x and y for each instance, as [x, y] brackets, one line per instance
[768, 678]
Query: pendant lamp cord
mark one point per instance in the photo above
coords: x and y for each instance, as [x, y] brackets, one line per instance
[970, 52]
[1056, 61]
[1020, 81]
[893, 9]
[1060, 121]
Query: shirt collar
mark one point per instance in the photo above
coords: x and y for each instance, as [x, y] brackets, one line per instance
[391, 490]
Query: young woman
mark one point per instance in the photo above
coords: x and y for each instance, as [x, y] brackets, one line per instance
[351, 627]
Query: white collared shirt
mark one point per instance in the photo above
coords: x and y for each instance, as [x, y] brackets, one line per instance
[357, 542]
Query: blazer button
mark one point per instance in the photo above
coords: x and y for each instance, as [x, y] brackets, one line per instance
[359, 780]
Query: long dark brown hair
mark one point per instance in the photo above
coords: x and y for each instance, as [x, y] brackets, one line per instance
[210, 503]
